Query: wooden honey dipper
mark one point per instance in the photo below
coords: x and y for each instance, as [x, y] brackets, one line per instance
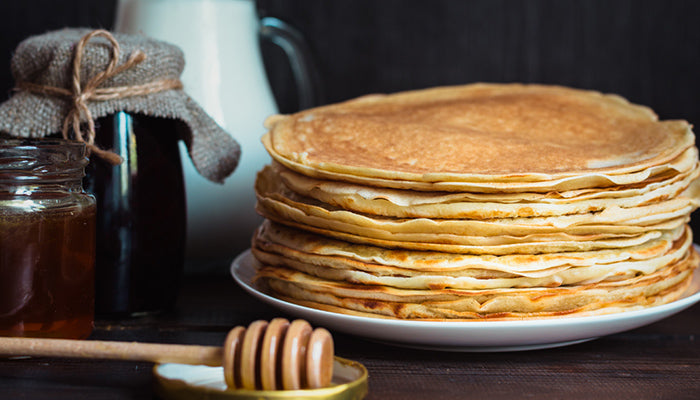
[278, 355]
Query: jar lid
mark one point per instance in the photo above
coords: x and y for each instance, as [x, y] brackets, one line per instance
[58, 72]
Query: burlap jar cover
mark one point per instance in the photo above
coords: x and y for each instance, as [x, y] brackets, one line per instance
[66, 78]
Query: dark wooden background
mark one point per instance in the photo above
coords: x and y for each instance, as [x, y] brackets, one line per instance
[646, 50]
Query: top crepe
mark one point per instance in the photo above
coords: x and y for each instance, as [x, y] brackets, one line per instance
[481, 137]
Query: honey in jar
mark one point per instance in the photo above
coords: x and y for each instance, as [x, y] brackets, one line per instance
[47, 240]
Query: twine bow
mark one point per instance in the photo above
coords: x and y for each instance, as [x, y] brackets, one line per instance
[81, 95]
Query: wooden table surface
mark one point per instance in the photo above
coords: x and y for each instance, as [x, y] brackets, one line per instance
[659, 361]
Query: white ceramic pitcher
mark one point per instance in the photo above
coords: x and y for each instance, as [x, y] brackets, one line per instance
[225, 74]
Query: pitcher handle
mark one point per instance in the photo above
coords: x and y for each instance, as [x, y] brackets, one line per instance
[293, 44]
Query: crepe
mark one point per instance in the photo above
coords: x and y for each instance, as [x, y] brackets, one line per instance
[413, 204]
[484, 201]
[613, 220]
[640, 291]
[481, 134]
[340, 261]
[499, 245]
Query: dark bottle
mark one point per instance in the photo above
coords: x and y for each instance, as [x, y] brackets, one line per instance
[47, 240]
[140, 215]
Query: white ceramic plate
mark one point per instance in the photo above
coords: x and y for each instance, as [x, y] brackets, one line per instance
[469, 335]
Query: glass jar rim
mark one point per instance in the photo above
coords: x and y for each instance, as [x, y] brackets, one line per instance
[41, 160]
[15, 142]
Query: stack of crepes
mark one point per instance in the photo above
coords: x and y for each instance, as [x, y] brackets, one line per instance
[482, 201]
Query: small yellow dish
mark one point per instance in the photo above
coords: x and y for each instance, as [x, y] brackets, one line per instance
[190, 382]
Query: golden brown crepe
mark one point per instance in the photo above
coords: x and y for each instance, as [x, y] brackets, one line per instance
[481, 133]
[641, 291]
[339, 261]
[484, 201]
[413, 204]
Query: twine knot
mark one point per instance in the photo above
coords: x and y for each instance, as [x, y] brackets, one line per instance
[81, 95]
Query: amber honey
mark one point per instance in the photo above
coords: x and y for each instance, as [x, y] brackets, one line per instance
[47, 242]
[47, 272]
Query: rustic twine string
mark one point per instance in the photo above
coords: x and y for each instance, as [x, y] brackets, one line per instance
[81, 95]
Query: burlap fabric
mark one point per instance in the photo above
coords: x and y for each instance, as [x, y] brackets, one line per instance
[47, 60]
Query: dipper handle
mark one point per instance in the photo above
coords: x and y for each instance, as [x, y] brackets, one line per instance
[270, 356]
[98, 349]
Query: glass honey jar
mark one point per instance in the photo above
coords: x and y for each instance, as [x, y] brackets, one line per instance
[47, 240]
